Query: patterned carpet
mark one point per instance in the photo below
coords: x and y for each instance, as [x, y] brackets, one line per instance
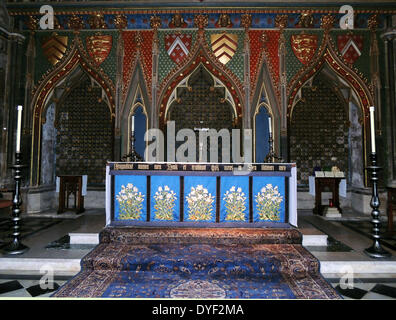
[199, 263]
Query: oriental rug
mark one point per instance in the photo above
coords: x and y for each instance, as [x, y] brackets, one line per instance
[246, 263]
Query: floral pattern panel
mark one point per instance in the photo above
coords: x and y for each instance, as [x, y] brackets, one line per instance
[234, 199]
[200, 199]
[165, 198]
[130, 198]
[269, 199]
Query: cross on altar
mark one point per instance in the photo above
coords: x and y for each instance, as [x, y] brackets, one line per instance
[200, 142]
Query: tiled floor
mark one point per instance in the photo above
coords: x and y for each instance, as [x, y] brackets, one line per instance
[361, 289]
[51, 243]
[28, 287]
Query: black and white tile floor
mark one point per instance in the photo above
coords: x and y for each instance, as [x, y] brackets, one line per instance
[366, 289]
[29, 287]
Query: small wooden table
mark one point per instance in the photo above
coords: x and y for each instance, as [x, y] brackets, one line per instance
[333, 183]
[391, 202]
[70, 185]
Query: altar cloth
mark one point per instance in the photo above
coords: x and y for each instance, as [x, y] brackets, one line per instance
[200, 193]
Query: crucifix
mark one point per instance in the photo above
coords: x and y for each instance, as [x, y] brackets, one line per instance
[200, 142]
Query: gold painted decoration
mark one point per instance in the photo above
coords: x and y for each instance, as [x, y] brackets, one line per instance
[224, 46]
[304, 46]
[99, 47]
[54, 48]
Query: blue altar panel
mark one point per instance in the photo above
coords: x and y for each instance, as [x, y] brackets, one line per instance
[269, 199]
[234, 199]
[200, 199]
[164, 198]
[130, 198]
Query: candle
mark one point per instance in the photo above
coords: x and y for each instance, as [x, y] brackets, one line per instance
[133, 124]
[19, 129]
[269, 125]
[372, 127]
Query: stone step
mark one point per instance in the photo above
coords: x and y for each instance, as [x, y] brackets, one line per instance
[93, 238]
[84, 238]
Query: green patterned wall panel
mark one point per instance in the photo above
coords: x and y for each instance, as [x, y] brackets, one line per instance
[363, 62]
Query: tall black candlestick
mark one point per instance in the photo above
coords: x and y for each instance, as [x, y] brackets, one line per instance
[271, 156]
[376, 250]
[16, 247]
[133, 155]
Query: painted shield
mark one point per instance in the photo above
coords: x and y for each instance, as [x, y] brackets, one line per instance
[99, 47]
[54, 48]
[304, 46]
[350, 47]
[224, 46]
[178, 46]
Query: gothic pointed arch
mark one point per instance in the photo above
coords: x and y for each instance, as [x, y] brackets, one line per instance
[329, 56]
[137, 82]
[75, 57]
[200, 54]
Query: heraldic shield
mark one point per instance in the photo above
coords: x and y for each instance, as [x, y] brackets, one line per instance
[54, 48]
[99, 47]
[350, 47]
[224, 46]
[178, 46]
[304, 46]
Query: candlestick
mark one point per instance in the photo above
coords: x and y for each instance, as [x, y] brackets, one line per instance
[133, 124]
[270, 125]
[19, 130]
[376, 250]
[16, 247]
[372, 127]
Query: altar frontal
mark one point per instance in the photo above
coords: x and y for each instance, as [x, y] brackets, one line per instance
[201, 194]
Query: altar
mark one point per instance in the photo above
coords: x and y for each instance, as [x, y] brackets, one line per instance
[201, 194]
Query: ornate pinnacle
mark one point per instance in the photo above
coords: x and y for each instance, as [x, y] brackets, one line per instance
[120, 21]
[75, 23]
[97, 21]
[327, 22]
[31, 23]
[281, 21]
[246, 20]
[155, 22]
[200, 21]
[373, 22]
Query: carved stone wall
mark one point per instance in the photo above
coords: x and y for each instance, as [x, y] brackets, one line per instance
[84, 140]
[319, 131]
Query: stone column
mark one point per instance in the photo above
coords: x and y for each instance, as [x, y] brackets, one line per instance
[281, 23]
[246, 21]
[155, 23]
